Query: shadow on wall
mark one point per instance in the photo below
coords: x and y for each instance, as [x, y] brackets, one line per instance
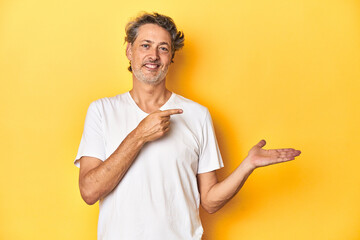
[180, 75]
[223, 133]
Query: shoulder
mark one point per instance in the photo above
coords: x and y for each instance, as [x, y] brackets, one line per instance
[189, 103]
[107, 105]
[108, 102]
[192, 108]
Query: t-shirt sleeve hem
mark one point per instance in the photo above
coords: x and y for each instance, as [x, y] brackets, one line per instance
[210, 169]
[77, 160]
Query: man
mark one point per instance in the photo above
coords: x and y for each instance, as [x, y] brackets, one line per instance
[149, 155]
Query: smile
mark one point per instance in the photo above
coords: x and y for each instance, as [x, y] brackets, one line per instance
[151, 65]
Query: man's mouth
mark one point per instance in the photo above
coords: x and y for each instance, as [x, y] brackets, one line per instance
[152, 65]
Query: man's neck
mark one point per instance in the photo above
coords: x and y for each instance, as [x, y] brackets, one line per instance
[148, 97]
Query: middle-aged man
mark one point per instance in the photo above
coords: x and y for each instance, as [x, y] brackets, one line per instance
[149, 155]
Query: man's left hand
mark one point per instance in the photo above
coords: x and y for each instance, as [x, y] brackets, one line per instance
[259, 157]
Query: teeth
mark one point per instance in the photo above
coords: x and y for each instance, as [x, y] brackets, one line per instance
[151, 65]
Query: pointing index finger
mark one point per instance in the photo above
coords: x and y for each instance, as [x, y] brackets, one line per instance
[171, 112]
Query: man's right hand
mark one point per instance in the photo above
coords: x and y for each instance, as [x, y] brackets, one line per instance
[155, 125]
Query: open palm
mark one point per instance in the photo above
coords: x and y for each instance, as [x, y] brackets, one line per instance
[260, 157]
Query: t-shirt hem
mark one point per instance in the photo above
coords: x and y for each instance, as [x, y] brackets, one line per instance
[209, 169]
[77, 160]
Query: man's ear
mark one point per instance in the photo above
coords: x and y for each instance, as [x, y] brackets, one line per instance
[128, 51]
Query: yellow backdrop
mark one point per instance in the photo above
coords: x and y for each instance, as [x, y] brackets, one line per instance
[285, 71]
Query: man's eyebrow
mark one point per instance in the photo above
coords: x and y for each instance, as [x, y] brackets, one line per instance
[164, 43]
[148, 41]
[161, 43]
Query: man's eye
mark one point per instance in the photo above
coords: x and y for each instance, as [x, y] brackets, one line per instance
[164, 49]
[145, 45]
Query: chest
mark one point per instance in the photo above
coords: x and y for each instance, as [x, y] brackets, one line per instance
[180, 145]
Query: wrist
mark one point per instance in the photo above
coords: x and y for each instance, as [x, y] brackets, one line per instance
[138, 137]
[248, 165]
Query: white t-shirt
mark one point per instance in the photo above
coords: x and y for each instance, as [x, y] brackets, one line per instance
[158, 198]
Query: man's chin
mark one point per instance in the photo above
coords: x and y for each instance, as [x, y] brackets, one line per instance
[153, 82]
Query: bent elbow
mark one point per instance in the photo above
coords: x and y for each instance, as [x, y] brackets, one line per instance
[89, 196]
[89, 200]
[210, 208]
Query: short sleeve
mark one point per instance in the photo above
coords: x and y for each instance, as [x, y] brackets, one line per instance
[210, 158]
[92, 141]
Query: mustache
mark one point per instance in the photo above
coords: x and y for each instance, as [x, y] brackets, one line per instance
[152, 62]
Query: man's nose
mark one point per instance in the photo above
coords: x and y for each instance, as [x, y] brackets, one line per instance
[154, 54]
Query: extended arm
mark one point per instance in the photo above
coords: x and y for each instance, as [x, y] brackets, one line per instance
[215, 195]
[98, 178]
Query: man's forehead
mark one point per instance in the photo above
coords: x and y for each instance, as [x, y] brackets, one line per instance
[153, 33]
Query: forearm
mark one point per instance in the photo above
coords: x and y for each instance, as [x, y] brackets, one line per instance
[100, 181]
[220, 193]
[223, 191]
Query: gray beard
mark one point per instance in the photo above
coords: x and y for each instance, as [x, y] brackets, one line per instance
[160, 77]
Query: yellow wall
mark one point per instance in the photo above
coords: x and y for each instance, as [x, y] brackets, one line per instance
[286, 71]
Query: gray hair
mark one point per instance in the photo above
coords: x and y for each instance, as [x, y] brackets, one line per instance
[177, 37]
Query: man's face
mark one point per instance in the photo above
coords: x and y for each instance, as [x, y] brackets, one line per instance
[150, 54]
